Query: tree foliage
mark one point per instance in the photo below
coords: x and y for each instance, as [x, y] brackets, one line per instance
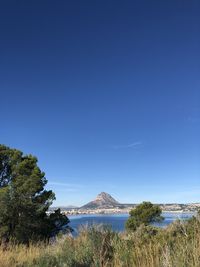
[23, 200]
[145, 213]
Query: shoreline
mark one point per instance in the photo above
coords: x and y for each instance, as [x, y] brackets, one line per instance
[69, 214]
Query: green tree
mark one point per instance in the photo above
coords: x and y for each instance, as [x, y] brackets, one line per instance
[23, 200]
[145, 213]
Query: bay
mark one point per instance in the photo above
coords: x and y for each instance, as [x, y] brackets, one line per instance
[117, 221]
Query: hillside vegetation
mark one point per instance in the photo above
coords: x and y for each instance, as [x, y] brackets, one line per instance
[178, 245]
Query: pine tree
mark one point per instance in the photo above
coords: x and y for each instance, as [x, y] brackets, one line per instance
[145, 213]
[24, 201]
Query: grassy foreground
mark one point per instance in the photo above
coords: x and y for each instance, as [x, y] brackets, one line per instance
[178, 245]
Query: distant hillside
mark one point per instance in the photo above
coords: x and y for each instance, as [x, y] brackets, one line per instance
[63, 208]
[103, 200]
[106, 201]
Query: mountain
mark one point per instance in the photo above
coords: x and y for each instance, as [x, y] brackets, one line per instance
[103, 200]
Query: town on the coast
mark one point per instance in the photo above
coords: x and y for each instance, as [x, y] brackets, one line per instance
[104, 203]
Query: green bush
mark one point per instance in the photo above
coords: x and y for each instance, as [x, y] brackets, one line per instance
[145, 213]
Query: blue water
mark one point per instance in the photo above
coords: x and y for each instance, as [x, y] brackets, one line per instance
[117, 221]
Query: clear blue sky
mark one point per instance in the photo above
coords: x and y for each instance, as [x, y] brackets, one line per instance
[106, 94]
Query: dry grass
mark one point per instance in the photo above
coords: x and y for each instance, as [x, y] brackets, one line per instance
[176, 246]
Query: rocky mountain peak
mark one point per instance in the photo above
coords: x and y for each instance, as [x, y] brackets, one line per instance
[105, 197]
[102, 200]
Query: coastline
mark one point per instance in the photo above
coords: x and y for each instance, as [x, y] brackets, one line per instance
[121, 212]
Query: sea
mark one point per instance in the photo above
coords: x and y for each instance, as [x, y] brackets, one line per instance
[117, 221]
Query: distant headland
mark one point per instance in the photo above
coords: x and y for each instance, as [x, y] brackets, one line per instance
[104, 203]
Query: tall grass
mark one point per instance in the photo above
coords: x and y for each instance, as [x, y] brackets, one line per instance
[178, 245]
